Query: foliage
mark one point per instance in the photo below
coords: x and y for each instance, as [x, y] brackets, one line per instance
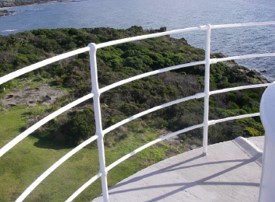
[121, 62]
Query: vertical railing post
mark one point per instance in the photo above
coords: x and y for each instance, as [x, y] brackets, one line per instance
[98, 121]
[206, 88]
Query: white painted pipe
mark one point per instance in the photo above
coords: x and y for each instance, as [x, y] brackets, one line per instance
[98, 122]
[267, 113]
[206, 88]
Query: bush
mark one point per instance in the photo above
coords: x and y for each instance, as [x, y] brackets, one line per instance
[80, 126]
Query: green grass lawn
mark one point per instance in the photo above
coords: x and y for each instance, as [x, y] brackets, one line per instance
[25, 162]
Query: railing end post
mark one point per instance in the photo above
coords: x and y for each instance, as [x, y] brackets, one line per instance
[206, 87]
[98, 121]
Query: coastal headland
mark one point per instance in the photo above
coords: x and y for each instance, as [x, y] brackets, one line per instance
[6, 12]
[29, 98]
[12, 3]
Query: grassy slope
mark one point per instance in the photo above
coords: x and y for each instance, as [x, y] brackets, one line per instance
[18, 171]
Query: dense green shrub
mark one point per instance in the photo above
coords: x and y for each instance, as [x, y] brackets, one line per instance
[79, 127]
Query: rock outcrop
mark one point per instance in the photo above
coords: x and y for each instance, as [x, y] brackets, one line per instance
[31, 97]
[6, 12]
[11, 3]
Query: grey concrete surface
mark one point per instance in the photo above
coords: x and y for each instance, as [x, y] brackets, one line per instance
[228, 173]
[258, 141]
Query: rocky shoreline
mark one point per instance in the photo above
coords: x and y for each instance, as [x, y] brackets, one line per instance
[6, 12]
[13, 3]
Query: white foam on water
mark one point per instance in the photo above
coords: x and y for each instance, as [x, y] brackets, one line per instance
[9, 30]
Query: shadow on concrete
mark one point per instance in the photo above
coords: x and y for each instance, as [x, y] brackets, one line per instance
[183, 186]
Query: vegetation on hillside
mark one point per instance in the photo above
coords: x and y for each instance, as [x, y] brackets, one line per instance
[120, 62]
[123, 61]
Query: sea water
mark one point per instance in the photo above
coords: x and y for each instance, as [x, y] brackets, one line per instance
[152, 14]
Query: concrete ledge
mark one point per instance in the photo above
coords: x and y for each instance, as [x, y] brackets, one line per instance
[249, 148]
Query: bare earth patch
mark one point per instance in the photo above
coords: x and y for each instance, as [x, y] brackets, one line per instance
[44, 94]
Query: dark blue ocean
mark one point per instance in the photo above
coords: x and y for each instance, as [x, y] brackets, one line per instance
[162, 13]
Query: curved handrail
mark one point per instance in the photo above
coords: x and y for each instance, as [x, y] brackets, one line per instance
[232, 118]
[246, 24]
[96, 91]
[226, 90]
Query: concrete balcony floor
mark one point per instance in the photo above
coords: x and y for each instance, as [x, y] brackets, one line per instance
[230, 172]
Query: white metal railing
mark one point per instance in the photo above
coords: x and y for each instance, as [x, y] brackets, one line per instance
[96, 92]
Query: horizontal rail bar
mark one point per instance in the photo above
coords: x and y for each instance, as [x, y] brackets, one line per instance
[169, 135]
[232, 118]
[42, 63]
[241, 57]
[40, 123]
[136, 116]
[249, 24]
[83, 187]
[140, 76]
[148, 36]
[239, 88]
[54, 167]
